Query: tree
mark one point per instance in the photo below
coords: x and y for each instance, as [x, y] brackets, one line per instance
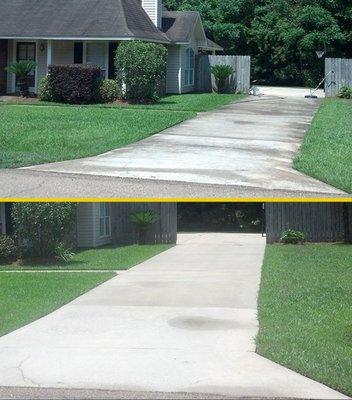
[280, 35]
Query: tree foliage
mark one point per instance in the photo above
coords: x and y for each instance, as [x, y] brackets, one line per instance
[280, 35]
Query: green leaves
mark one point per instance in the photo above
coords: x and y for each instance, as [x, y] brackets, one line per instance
[140, 70]
[22, 69]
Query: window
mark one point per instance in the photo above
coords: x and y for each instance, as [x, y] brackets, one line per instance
[189, 70]
[104, 220]
[96, 55]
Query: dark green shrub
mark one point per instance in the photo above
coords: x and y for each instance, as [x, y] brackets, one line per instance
[108, 91]
[290, 236]
[221, 74]
[74, 84]
[143, 221]
[40, 227]
[45, 92]
[140, 70]
[345, 92]
[8, 249]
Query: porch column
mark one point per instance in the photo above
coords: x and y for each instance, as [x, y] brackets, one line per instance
[49, 51]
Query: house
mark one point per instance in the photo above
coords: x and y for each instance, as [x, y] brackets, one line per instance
[99, 224]
[89, 31]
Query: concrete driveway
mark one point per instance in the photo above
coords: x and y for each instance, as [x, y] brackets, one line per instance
[184, 321]
[250, 144]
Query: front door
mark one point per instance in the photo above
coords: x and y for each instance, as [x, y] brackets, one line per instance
[26, 51]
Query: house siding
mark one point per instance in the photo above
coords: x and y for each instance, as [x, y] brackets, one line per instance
[3, 64]
[173, 70]
[62, 52]
[154, 10]
[41, 60]
[85, 228]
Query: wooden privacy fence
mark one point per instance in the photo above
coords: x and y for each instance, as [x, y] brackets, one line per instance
[240, 82]
[320, 222]
[163, 231]
[338, 72]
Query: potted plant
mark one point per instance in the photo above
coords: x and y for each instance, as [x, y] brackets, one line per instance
[221, 74]
[22, 70]
[144, 220]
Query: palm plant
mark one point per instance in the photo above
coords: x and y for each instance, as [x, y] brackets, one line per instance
[143, 220]
[221, 74]
[22, 70]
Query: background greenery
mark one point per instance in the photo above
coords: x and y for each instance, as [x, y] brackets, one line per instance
[280, 35]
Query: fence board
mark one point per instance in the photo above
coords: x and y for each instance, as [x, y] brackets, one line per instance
[163, 231]
[321, 222]
[339, 73]
[240, 82]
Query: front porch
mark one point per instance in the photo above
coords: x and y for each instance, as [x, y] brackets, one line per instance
[46, 52]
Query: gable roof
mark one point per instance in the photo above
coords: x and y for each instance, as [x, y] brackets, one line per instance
[179, 25]
[77, 19]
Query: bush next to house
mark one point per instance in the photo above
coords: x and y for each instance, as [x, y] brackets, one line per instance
[345, 92]
[41, 227]
[8, 249]
[140, 70]
[108, 91]
[45, 92]
[74, 84]
[290, 236]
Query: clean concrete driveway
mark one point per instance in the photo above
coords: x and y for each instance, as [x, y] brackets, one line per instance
[184, 321]
[249, 144]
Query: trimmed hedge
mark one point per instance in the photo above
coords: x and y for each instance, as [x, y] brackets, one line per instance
[140, 70]
[108, 91]
[74, 84]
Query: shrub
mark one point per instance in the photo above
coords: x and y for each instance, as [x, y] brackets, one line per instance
[143, 220]
[40, 227]
[291, 236]
[345, 92]
[8, 249]
[108, 91]
[221, 74]
[45, 92]
[74, 84]
[140, 70]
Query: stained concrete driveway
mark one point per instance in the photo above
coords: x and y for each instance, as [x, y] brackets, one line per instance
[250, 144]
[184, 321]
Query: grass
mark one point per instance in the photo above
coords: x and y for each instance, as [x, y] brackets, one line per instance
[32, 135]
[37, 133]
[326, 151]
[305, 311]
[25, 297]
[103, 258]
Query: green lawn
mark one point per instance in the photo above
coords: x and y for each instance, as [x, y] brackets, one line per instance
[103, 258]
[326, 151]
[33, 135]
[305, 311]
[191, 102]
[25, 297]
[37, 133]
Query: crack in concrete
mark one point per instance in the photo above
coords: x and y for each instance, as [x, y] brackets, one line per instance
[19, 367]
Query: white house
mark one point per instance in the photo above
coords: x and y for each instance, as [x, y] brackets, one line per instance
[89, 31]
